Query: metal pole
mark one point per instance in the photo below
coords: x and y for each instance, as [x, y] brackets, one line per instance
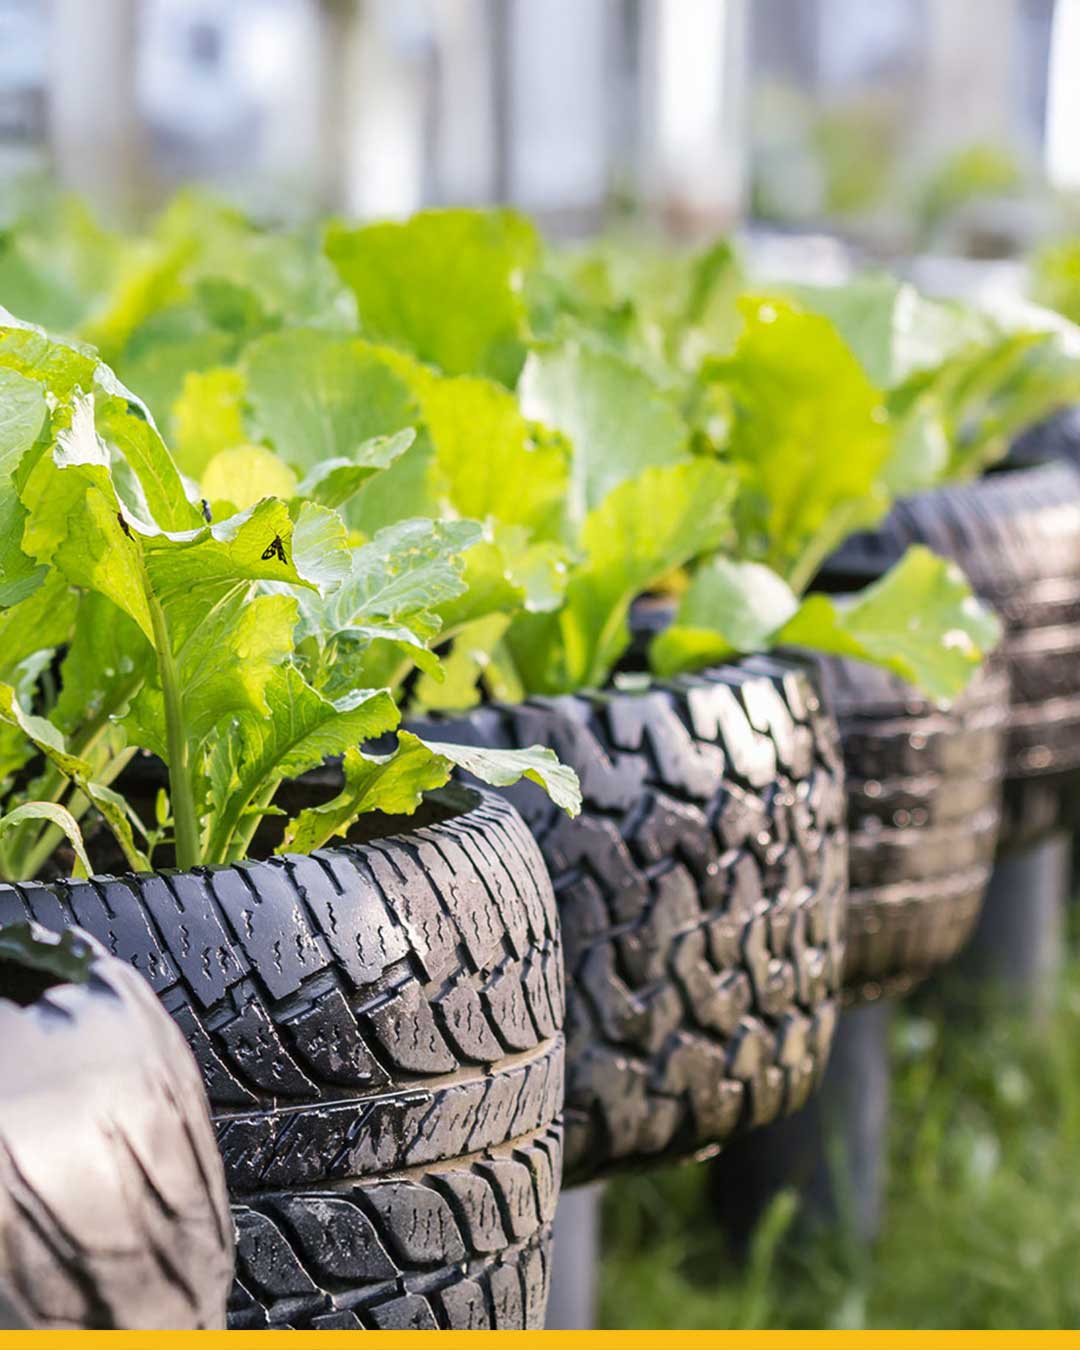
[1019, 943]
[574, 1252]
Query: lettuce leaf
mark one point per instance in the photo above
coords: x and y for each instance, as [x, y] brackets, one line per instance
[644, 529]
[446, 286]
[809, 434]
[617, 420]
[729, 607]
[920, 620]
[396, 783]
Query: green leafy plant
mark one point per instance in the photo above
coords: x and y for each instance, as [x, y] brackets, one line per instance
[810, 438]
[611, 421]
[234, 648]
[977, 172]
[1055, 277]
[959, 383]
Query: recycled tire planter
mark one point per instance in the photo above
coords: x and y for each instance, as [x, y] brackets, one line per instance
[113, 1211]
[379, 1030]
[924, 810]
[1016, 534]
[701, 894]
[1057, 437]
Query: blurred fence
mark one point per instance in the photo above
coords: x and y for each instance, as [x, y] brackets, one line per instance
[695, 112]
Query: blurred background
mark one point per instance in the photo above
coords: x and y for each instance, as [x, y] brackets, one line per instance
[939, 137]
[935, 125]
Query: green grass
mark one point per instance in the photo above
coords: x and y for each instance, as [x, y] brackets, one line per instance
[983, 1220]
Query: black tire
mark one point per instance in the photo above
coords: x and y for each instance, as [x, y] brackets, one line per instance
[462, 1244]
[1056, 437]
[1016, 534]
[113, 1211]
[701, 894]
[924, 811]
[374, 1015]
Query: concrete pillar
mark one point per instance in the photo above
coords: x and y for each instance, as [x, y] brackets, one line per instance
[335, 38]
[558, 75]
[1063, 98]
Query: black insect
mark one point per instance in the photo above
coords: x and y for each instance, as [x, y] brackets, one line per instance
[275, 549]
[124, 525]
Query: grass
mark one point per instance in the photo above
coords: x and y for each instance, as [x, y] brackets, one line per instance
[983, 1212]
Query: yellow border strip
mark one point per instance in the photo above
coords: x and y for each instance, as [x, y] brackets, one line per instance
[625, 1340]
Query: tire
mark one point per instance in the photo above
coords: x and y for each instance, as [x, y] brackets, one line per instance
[373, 1021]
[113, 1211]
[701, 894]
[1016, 534]
[924, 811]
[1057, 437]
[463, 1244]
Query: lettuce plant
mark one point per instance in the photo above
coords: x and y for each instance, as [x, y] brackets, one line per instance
[959, 382]
[815, 447]
[586, 427]
[232, 646]
[625, 454]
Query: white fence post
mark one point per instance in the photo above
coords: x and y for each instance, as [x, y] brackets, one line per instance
[694, 68]
[96, 136]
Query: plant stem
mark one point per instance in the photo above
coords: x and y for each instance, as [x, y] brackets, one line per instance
[180, 786]
[240, 844]
[35, 857]
[829, 538]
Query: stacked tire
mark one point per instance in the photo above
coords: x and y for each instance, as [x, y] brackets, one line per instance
[379, 1030]
[701, 892]
[924, 812]
[113, 1212]
[1016, 535]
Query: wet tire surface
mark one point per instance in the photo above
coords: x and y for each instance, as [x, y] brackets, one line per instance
[701, 896]
[1016, 534]
[379, 1030]
[924, 811]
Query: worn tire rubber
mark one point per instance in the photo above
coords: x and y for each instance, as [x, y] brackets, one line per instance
[113, 1211]
[462, 1244]
[701, 896]
[371, 1021]
[924, 810]
[1016, 534]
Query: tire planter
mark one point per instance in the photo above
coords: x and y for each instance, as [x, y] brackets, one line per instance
[924, 810]
[701, 893]
[1016, 534]
[113, 1212]
[1058, 437]
[379, 1030]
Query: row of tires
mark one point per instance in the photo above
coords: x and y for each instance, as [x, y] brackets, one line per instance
[408, 1043]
